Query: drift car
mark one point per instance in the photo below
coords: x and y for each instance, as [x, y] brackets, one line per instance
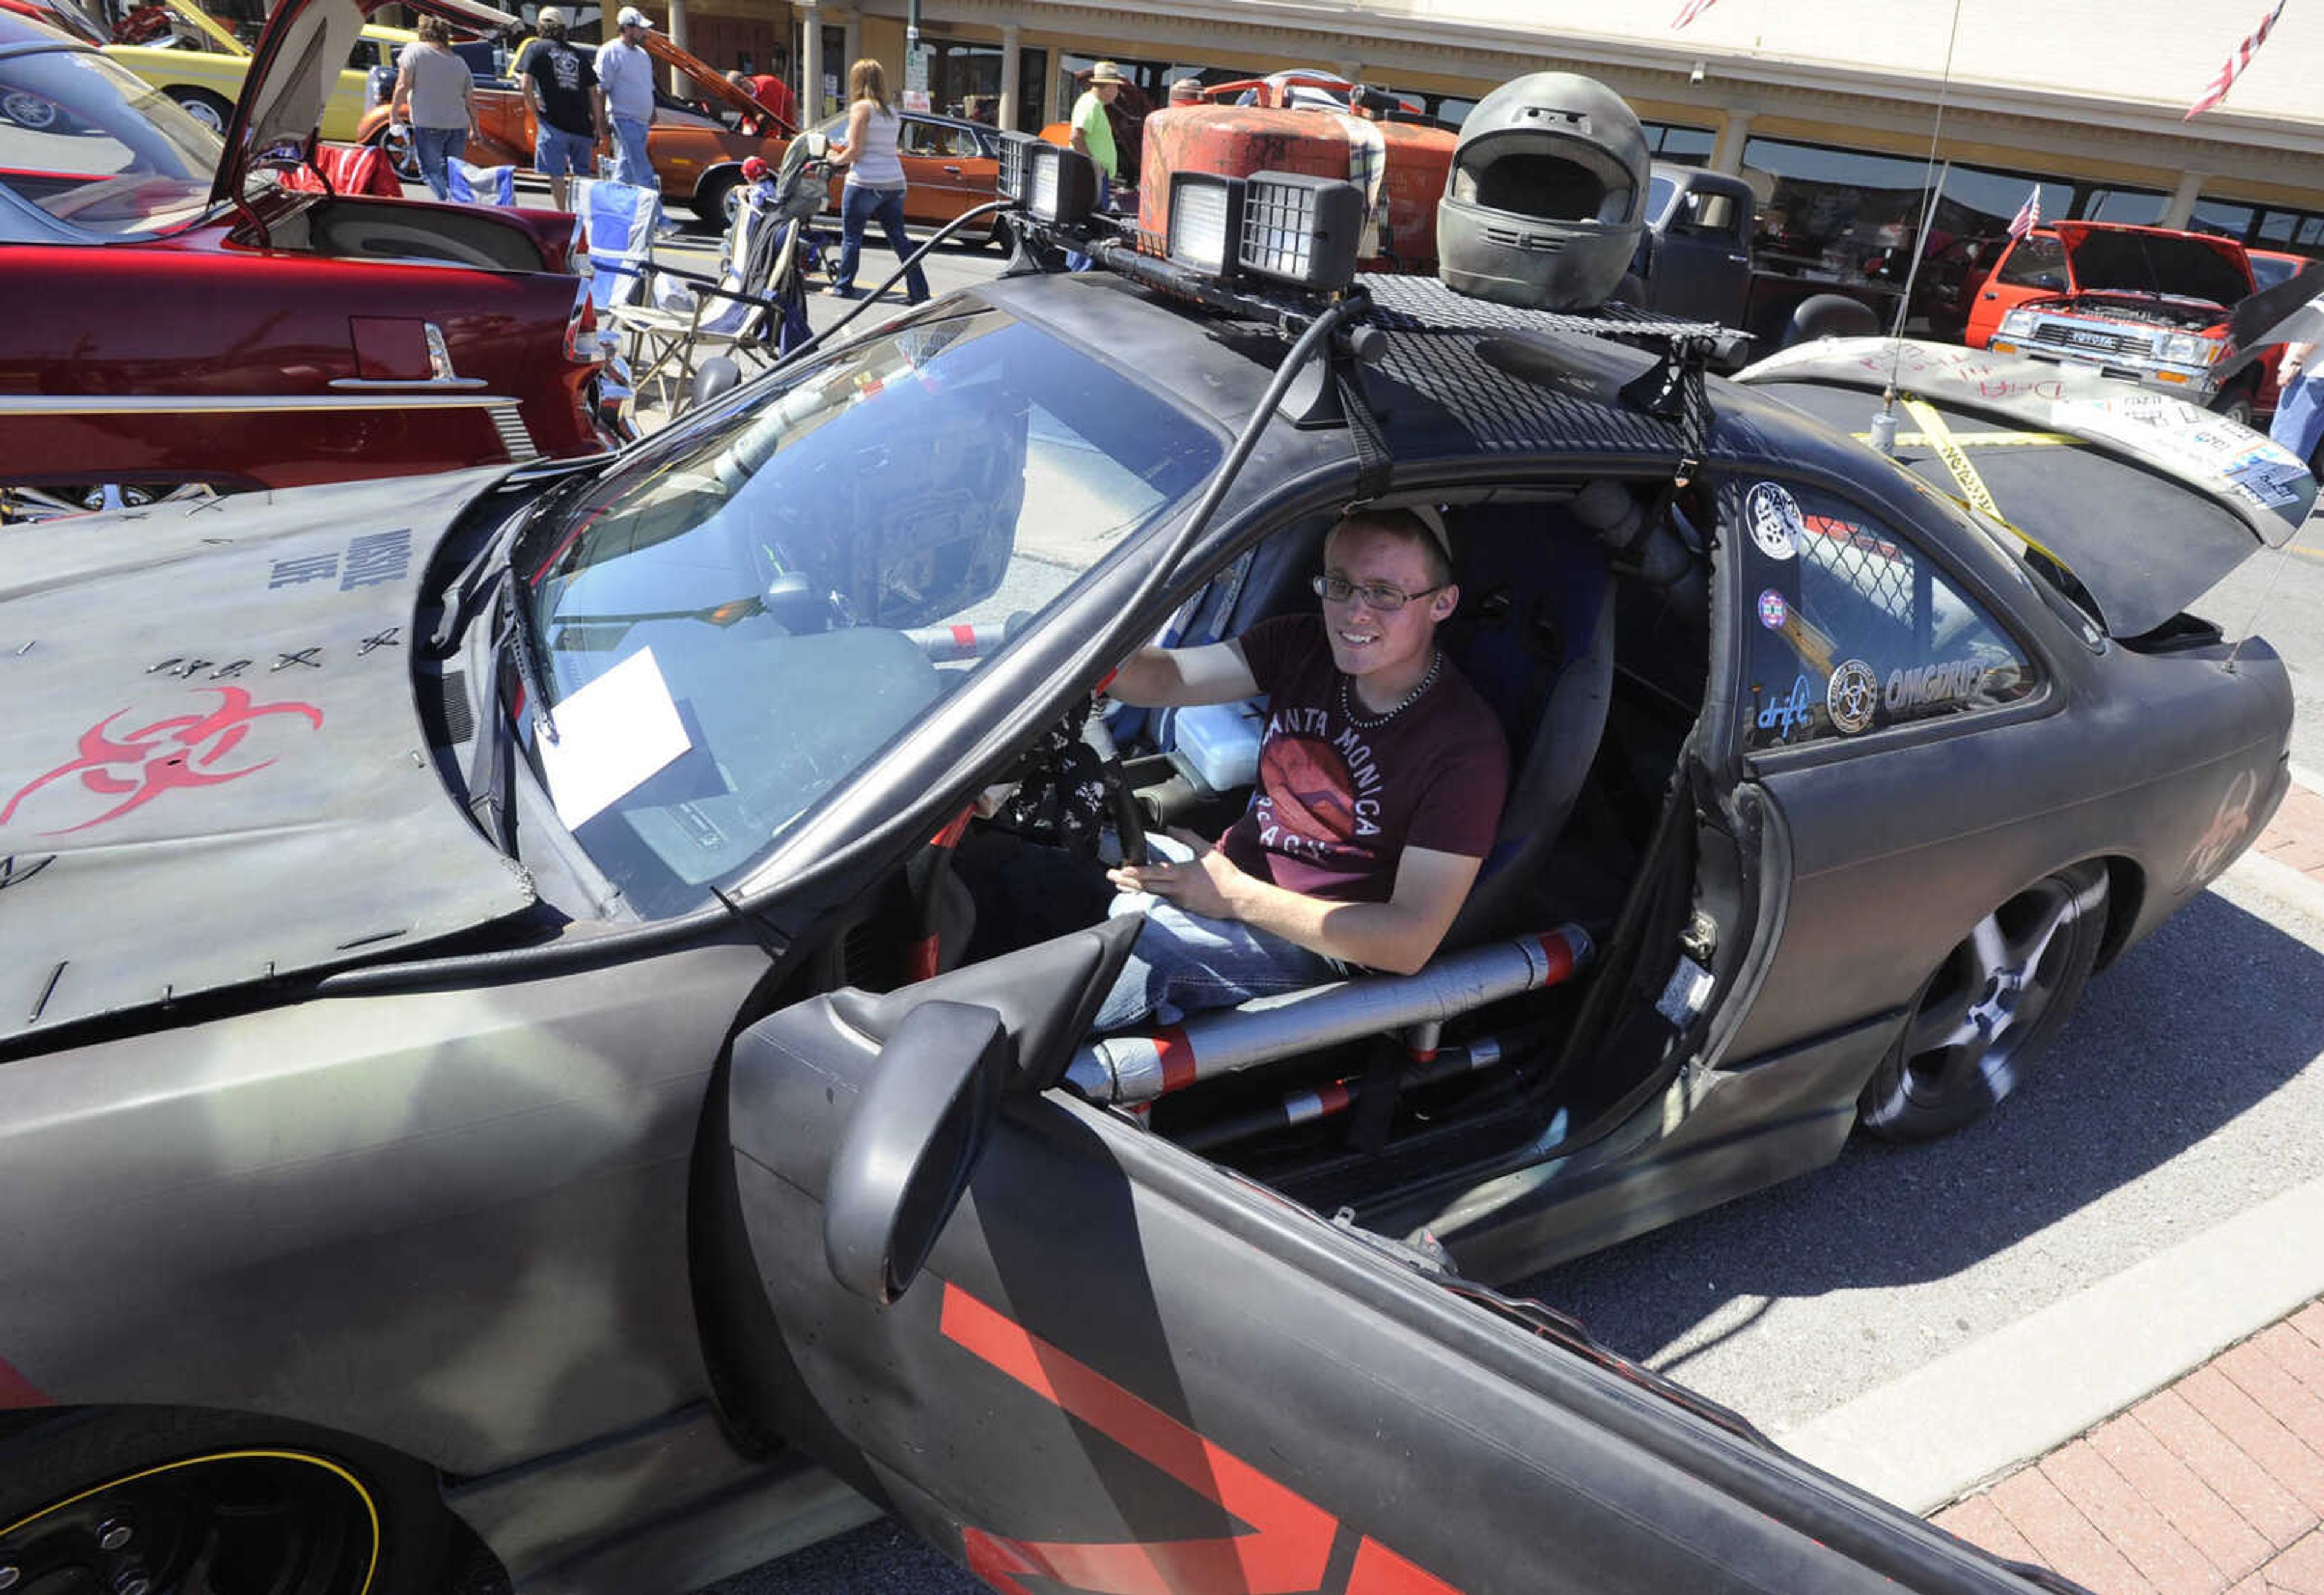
[491, 1045]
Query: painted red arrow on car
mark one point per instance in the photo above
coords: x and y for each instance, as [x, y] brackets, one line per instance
[1289, 1544]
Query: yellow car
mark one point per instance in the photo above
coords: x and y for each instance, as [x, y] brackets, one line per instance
[202, 65]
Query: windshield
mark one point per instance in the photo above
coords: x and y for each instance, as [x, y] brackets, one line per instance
[2267, 270]
[93, 144]
[810, 572]
[1659, 190]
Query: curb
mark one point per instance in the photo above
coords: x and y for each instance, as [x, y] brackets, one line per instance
[1933, 1436]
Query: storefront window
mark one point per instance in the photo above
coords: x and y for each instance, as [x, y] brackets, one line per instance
[1679, 145]
[1844, 216]
[1032, 83]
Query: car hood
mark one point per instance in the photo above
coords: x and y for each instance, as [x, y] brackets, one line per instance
[213, 771]
[295, 67]
[2148, 499]
[2140, 260]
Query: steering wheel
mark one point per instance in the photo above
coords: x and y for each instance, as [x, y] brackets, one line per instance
[1069, 783]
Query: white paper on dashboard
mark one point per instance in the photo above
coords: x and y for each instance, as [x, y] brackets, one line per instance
[611, 736]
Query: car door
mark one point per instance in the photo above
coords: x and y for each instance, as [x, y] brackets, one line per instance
[2032, 267]
[1906, 732]
[1702, 260]
[1070, 1354]
[946, 171]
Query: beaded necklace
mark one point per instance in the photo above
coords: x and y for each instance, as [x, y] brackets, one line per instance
[1367, 721]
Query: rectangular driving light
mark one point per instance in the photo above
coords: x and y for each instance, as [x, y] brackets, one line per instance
[1015, 147]
[1053, 183]
[1206, 211]
[1301, 230]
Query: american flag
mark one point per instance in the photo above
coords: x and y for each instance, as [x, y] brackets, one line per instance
[1695, 8]
[2233, 68]
[2029, 215]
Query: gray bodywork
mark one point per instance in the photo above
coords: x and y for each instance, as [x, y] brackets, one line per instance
[448, 1209]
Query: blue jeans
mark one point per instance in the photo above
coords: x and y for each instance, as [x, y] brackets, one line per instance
[858, 206]
[2300, 416]
[1183, 963]
[631, 164]
[433, 148]
[1074, 260]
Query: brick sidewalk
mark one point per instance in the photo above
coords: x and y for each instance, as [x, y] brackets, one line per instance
[2216, 1483]
[2295, 837]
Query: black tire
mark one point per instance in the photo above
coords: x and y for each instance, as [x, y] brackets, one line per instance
[203, 106]
[1981, 1019]
[2236, 404]
[711, 199]
[200, 1503]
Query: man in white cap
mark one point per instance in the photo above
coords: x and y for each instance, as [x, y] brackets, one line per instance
[1381, 776]
[626, 72]
[568, 109]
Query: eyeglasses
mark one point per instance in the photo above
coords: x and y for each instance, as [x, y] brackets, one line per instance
[1379, 599]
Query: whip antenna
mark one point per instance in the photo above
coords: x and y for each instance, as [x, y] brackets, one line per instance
[1883, 423]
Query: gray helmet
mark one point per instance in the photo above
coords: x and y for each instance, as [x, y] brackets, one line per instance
[1546, 198]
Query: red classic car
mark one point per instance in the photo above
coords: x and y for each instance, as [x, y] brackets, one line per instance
[179, 315]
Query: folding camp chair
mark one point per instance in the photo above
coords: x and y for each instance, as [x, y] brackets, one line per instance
[620, 221]
[756, 306]
[480, 184]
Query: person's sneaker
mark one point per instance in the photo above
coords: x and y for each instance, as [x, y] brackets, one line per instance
[837, 292]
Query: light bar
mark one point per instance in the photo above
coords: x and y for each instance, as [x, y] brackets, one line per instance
[1206, 211]
[1299, 229]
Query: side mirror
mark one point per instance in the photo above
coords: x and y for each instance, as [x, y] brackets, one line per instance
[906, 1155]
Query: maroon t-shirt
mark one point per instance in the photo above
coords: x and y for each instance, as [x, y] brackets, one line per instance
[1337, 803]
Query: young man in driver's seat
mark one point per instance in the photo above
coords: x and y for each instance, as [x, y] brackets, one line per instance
[1381, 775]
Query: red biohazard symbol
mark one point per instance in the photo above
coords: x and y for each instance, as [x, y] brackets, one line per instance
[182, 751]
[1289, 1547]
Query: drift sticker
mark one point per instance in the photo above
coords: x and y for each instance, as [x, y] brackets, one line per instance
[1919, 687]
[1852, 696]
[1773, 611]
[1774, 515]
[1782, 713]
[182, 751]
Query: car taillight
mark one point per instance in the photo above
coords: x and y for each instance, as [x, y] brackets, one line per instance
[581, 343]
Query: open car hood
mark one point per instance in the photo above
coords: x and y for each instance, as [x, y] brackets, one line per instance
[295, 67]
[213, 771]
[2148, 499]
[713, 82]
[208, 26]
[2149, 260]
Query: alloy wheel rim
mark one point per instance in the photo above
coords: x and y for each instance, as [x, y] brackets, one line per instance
[1969, 1029]
[285, 1523]
[205, 112]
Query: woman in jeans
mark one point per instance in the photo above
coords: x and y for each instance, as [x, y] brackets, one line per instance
[435, 95]
[875, 180]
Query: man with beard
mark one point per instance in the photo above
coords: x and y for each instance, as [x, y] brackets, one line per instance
[1380, 783]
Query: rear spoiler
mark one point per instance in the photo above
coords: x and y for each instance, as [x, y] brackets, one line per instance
[2260, 482]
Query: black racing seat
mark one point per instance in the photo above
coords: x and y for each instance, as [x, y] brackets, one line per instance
[1534, 636]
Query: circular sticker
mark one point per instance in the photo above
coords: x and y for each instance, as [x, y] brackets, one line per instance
[1775, 517]
[1851, 695]
[1773, 611]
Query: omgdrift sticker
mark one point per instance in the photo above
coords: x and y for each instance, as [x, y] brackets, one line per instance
[1773, 611]
[1925, 685]
[1851, 696]
[1775, 517]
